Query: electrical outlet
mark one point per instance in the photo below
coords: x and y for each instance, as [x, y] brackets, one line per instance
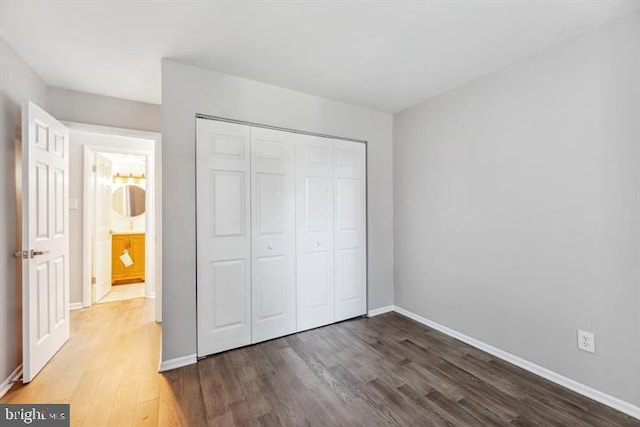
[586, 341]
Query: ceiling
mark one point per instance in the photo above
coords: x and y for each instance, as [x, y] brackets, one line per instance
[385, 55]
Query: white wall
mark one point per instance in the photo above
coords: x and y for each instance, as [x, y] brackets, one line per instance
[189, 90]
[92, 109]
[18, 82]
[517, 211]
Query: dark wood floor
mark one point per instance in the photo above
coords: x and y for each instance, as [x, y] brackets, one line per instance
[386, 370]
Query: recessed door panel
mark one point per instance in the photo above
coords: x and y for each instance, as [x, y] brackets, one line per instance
[226, 145]
[42, 200]
[41, 136]
[348, 197]
[316, 154]
[58, 202]
[271, 203]
[273, 211]
[223, 236]
[270, 279]
[318, 207]
[317, 277]
[228, 197]
[229, 294]
[59, 289]
[59, 145]
[42, 286]
[269, 149]
[347, 274]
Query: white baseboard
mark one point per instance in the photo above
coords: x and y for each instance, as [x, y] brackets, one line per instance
[13, 377]
[381, 310]
[75, 306]
[178, 362]
[552, 376]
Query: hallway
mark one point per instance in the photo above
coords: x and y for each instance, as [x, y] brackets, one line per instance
[107, 370]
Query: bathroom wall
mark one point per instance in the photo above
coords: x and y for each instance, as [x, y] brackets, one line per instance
[125, 166]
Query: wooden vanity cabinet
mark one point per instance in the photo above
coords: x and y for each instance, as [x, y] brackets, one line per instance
[134, 244]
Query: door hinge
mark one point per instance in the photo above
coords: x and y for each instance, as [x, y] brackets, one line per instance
[93, 280]
[94, 168]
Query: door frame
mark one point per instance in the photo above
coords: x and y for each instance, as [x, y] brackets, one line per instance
[153, 234]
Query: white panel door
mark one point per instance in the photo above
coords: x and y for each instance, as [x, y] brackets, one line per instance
[223, 236]
[45, 237]
[350, 229]
[314, 231]
[102, 229]
[273, 226]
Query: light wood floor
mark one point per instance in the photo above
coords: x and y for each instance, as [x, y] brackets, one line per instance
[387, 370]
[107, 371]
[121, 292]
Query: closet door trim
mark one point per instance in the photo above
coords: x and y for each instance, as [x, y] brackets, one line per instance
[283, 129]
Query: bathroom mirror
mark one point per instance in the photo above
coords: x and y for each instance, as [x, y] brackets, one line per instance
[129, 200]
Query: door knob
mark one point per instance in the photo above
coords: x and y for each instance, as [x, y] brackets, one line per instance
[21, 254]
[29, 254]
[269, 247]
[318, 243]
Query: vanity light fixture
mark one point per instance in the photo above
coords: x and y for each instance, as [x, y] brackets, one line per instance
[129, 179]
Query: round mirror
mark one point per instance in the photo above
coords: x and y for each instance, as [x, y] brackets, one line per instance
[128, 200]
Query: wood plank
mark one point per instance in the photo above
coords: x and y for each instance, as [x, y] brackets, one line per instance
[387, 370]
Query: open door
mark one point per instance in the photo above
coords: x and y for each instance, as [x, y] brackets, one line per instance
[45, 235]
[102, 230]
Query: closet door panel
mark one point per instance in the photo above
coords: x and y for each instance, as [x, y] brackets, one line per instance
[273, 219]
[223, 236]
[350, 229]
[314, 225]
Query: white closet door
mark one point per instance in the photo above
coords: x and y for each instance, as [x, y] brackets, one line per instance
[273, 226]
[314, 231]
[223, 236]
[350, 229]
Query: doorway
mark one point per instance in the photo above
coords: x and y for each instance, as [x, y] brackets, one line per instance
[119, 199]
[119, 221]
